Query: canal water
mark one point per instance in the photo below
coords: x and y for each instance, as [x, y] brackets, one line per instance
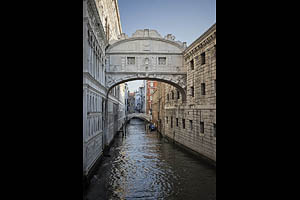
[142, 165]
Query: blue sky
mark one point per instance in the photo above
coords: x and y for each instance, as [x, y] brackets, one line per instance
[185, 19]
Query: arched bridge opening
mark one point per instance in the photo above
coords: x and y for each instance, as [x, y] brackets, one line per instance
[178, 87]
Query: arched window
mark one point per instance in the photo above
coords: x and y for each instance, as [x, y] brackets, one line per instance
[92, 128]
[95, 125]
[96, 104]
[90, 107]
[93, 101]
[99, 123]
[88, 128]
[88, 103]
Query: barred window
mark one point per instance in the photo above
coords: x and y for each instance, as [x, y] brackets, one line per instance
[203, 58]
[130, 60]
[215, 86]
[192, 91]
[201, 127]
[192, 64]
[202, 88]
[162, 60]
[214, 129]
[215, 50]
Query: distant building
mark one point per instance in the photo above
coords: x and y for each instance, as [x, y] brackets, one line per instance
[140, 99]
[158, 107]
[151, 87]
[131, 102]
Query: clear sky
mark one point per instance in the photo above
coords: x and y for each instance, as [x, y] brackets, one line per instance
[185, 19]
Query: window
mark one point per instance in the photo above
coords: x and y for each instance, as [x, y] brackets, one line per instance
[162, 60]
[171, 122]
[202, 127]
[89, 127]
[168, 97]
[191, 124]
[178, 95]
[167, 119]
[172, 95]
[192, 64]
[130, 60]
[183, 123]
[203, 58]
[192, 91]
[177, 122]
[214, 129]
[215, 86]
[203, 88]
[215, 51]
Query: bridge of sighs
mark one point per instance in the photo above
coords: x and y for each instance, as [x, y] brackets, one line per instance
[146, 56]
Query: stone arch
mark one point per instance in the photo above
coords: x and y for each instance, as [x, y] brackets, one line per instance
[138, 117]
[180, 88]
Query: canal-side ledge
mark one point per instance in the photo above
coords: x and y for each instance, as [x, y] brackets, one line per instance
[191, 151]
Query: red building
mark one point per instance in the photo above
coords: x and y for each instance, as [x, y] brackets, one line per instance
[151, 87]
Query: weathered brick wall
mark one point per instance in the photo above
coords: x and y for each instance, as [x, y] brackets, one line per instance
[199, 111]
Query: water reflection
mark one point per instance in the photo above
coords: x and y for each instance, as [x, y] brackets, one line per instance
[144, 166]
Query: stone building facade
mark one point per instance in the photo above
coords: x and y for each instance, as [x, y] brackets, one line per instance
[110, 17]
[192, 123]
[140, 99]
[151, 87]
[158, 107]
[131, 102]
[97, 104]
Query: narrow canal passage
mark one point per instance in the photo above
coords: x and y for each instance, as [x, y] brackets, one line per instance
[144, 166]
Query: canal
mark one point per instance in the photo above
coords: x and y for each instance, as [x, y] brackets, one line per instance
[142, 165]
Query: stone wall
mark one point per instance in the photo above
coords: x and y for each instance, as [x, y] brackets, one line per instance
[192, 123]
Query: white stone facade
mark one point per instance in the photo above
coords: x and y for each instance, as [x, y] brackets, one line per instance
[146, 56]
[98, 129]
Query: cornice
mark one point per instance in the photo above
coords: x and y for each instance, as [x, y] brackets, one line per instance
[144, 38]
[93, 80]
[144, 53]
[202, 41]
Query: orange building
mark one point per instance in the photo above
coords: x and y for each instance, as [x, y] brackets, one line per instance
[151, 87]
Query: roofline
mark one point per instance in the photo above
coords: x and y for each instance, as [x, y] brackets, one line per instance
[213, 27]
[118, 42]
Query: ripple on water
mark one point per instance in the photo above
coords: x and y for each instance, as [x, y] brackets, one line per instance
[146, 167]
